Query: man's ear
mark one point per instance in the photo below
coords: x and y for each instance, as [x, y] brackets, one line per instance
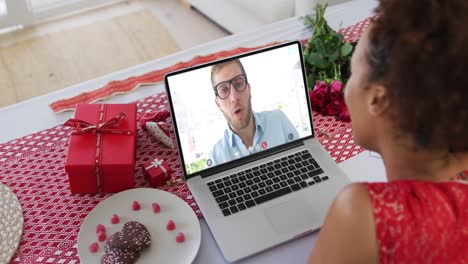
[217, 103]
[378, 99]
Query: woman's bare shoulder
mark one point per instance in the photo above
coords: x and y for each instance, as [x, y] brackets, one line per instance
[348, 233]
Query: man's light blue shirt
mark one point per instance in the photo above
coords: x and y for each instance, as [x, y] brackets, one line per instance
[272, 128]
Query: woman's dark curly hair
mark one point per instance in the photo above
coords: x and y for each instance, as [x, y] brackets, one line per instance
[419, 50]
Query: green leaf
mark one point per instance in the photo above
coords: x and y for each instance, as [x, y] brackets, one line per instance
[340, 37]
[346, 49]
[309, 21]
[316, 59]
[310, 81]
[334, 56]
[320, 43]
[334, 38]
[314, 42]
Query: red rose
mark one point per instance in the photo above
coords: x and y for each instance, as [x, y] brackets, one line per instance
[336, 85]
[344, 116]
[336, 91]
[334, 108]
[319, 96]
[321, 85]
[315, 106]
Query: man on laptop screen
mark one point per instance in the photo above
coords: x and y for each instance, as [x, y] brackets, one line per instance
[239, 107]
[250, 159]
[247, 132]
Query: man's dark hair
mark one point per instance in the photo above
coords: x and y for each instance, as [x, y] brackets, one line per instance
[217, 67]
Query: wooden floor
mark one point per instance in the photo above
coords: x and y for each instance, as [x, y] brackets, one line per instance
[37, 61]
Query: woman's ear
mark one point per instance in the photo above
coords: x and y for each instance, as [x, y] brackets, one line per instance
[378, 100]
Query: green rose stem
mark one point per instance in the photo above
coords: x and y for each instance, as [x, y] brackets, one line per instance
[326, 51]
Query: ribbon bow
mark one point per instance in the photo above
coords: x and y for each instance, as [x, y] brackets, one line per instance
[82, 127]
[156, 163]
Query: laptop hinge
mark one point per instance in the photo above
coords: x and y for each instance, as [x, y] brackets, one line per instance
[249, 159]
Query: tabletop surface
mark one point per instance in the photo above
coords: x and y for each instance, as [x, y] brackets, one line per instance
[35, 115]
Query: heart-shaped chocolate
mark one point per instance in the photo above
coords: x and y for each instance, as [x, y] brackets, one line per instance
[116, 255]
[133, 236]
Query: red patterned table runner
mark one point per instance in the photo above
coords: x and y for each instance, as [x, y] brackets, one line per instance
[33, 167]
[351, 33]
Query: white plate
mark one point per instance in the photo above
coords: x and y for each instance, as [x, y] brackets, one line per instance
[164, 248]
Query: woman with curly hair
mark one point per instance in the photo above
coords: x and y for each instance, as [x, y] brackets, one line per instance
[408, 99]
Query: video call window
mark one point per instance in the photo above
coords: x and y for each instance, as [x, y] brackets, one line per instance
[277, 96]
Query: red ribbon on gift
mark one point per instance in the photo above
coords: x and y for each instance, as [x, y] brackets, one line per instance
[108, 127]
[82, 127]
[158, 163]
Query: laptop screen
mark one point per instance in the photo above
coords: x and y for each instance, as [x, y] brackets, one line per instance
[237, 107]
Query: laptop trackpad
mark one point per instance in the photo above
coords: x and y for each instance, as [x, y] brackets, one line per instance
[291, 217]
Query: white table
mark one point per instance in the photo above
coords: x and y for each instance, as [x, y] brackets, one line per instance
[35, 115]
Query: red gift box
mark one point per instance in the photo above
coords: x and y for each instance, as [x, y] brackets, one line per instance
[101, 152]
[157, 172]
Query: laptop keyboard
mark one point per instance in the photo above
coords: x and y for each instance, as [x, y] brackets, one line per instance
[265, 182]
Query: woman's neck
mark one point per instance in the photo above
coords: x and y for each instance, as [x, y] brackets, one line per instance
[402, 163]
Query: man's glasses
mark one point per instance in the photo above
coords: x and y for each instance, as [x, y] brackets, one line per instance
[223, 89]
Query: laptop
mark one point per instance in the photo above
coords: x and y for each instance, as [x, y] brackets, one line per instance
[248, 150]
